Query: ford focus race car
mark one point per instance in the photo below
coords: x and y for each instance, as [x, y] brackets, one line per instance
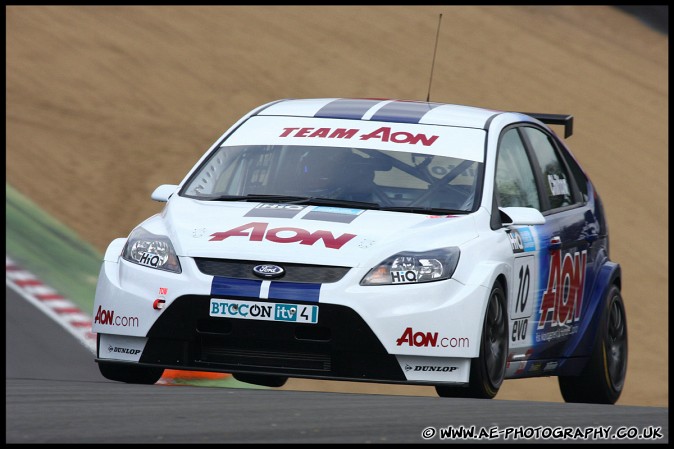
[373, 240]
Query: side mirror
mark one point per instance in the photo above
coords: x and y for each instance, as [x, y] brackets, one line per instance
[163, 192]
[518, 216]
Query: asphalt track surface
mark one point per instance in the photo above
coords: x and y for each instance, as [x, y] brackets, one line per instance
[55, 394]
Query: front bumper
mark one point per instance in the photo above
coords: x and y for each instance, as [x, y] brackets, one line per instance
[340, 346]
[423, 333]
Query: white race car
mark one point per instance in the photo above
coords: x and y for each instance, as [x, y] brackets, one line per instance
[373, 240]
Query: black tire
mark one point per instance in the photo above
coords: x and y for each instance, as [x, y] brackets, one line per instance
[488, 370]
[266, 380]
[130, 374]
[603, 378]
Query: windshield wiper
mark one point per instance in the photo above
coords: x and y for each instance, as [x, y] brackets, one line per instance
[317, 201]
[295, 200]
[256, 197]
[424, 210]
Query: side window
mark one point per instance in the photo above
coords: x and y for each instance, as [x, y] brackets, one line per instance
[577, 172]
[515, 182]
[555, 177]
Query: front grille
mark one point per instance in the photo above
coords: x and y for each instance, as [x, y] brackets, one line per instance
[210, 352]
[295, 272]
[340, 346]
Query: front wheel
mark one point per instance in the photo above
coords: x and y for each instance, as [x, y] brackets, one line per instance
[602, 379]
[130, 374]
[266, 380]
[488, 370]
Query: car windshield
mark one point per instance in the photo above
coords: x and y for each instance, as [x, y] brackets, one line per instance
[361, 177]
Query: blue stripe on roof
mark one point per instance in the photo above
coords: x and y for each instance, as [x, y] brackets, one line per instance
[235, 287]
[348, 108]
[403, 112]
[294, 291]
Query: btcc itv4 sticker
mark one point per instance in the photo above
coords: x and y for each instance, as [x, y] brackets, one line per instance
[251, 310]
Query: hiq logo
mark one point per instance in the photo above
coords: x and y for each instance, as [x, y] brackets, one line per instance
[403, 277]
[149, 260]
[516, 241]
[280, 206]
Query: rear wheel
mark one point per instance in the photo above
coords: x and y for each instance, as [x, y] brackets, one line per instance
[602, 379]
[266, 380]
[130, 374]
[488, 370]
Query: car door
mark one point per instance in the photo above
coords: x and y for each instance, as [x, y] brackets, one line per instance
[516, 186]
[551, 262]
[565, 256]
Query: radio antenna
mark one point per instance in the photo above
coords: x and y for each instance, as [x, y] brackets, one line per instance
[428, 97]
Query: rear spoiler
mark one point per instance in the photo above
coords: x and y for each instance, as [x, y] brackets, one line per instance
[555, 119]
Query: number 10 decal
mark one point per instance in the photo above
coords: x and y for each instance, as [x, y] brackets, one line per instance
[521, 301]
[521, 305]
[523, 289]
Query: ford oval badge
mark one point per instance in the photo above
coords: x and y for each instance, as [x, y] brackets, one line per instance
[268, 271]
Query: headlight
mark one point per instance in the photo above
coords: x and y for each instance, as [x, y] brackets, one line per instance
[413, 267]
[151, 250]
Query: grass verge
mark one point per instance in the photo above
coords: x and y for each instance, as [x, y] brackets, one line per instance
[50, 250]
